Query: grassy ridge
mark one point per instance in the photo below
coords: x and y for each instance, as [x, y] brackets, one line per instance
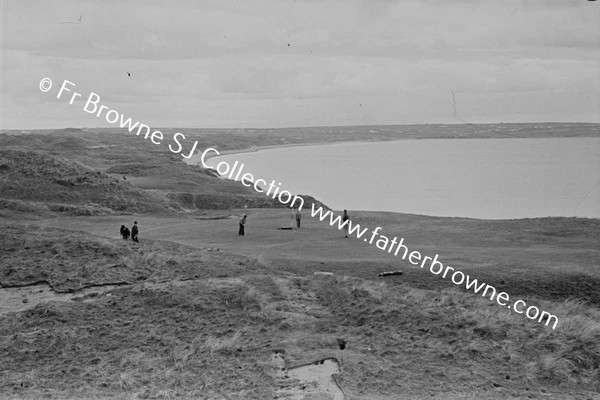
[69, 261]
[72, 172]
[33, 176]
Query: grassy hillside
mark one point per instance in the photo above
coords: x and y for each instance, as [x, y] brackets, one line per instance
[67, 186]
[92, 173]
[205, 325]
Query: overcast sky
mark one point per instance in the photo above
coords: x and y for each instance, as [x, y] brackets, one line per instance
[276, 63]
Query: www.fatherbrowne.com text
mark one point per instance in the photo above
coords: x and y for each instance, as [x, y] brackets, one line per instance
[457, 277]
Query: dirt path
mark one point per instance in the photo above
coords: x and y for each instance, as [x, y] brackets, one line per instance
[24, 298]
[315, 380]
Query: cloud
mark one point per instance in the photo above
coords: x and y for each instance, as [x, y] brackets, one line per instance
[157, 30]
[304, 62]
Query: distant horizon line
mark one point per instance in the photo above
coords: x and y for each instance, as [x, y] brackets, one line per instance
[315, 126]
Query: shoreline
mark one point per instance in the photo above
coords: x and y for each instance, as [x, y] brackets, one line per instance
[255, 149]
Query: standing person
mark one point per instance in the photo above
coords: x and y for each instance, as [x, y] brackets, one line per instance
[242, 231]
[126, 233]
[134, 232]
[123, 231]
[298, 218]
[344, 219]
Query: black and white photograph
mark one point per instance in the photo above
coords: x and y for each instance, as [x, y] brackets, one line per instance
[299, 199]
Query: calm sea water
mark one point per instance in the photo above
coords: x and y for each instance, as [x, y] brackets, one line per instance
[479, 178]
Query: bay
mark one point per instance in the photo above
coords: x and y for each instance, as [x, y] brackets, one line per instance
[478, 178]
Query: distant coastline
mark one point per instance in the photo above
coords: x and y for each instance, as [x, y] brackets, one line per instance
[393, 133]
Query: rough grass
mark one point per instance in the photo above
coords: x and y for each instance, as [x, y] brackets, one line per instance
[445, 334]
[174, 342]
[204, 325]
[69, 186]
[70, 261]
[36, 183]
